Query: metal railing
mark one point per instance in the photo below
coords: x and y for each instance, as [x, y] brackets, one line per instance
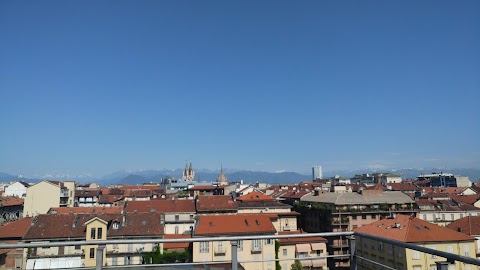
[234, 241]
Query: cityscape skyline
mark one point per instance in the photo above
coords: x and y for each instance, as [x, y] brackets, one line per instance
[272, 86]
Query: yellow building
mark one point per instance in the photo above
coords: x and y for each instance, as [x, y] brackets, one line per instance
[92, 227]
[235, 225]
[409, 229]
[312, 251]
[47, 194]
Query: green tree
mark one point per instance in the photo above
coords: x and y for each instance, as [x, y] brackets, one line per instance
[297, 265]
[277, 263]
[155, 257]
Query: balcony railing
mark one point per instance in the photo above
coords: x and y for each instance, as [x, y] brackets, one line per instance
[352, 263]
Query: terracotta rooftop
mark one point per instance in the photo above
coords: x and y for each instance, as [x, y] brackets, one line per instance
[15, 229]
[105, 199]
[239, 224]
[403, 186]
[161, 206]
[178, 245]
[316, 239]
[73, 225]
[85, 210]
[150, 187]
[410, 229]
[87, 193]
[255, 196]
[10, 201]
[467, 199]
[295, 194]
[262, 204]
[215, 203]
[468, 225]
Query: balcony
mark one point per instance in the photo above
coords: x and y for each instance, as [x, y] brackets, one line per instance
[343, 259]
[220, 250]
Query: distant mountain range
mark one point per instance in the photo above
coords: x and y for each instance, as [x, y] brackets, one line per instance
[147, 176]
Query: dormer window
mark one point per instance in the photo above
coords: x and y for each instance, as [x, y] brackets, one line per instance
[115, 225]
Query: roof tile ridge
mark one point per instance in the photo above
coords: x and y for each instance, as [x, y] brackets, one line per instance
[408, 229]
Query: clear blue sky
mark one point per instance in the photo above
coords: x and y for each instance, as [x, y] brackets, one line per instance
[99, 86]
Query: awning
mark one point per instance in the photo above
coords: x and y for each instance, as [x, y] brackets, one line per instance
[318, 246]
[303, 247]
[306, 263]
[318, 263]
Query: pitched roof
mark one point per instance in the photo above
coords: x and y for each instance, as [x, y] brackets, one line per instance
[468, 225]
[239, 224]
[73, 225]
[214, 203]
[109, 198]
[15, 229]
[161, 206]
[467, 199]
[85, 210]
[262, 204]
[177, 245]
[410, 229]
[255, 196]
[87, 193]
[409, 186]
[10, 201]
[206, 188]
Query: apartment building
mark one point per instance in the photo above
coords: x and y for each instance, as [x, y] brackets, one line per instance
[11, 208]
[468, 225]
[340, 212]
[17, 189]
[444, 212]
[215, 204]
[80, 227]
[235, 225]
[46, 194]
[409, 229]
[311, 251]
[178, 216]
[87, 197]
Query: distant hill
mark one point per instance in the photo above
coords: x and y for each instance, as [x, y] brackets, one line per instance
[146, 176]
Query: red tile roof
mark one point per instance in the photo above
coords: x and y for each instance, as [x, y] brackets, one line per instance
[412, 230]
[215, 203]
[109, 198]
[178, 245]
[403, 186]
[73, 226]
[255, 196]
[150, 187]
[239, 224]
[15, 229]
[161, 206]
[467, 199]
[10, 201]
[85, 210]
[87, 193]
[468, 225]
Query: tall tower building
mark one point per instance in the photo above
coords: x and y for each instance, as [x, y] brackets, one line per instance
[188, 173]
[317, 172]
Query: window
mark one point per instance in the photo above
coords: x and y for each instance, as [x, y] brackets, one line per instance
[99, 233]
[114, 261]
[466, 250]
[319, 252]
[443, 216]
[177, 217]
[424, 217]
[78, 247]
[268, 241]
[452, 217]
[256, 244]
[240, 245]
[399, 252]
[354, 217]
[92, 253]
[364, 216]
[115, 225]
[92, 233]
[380, 246]
[284, 252]
[389, 249]
[176, 229]
[417, 267]
[415, 255]
[204, 247]
[374, 216]
[191, 217]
